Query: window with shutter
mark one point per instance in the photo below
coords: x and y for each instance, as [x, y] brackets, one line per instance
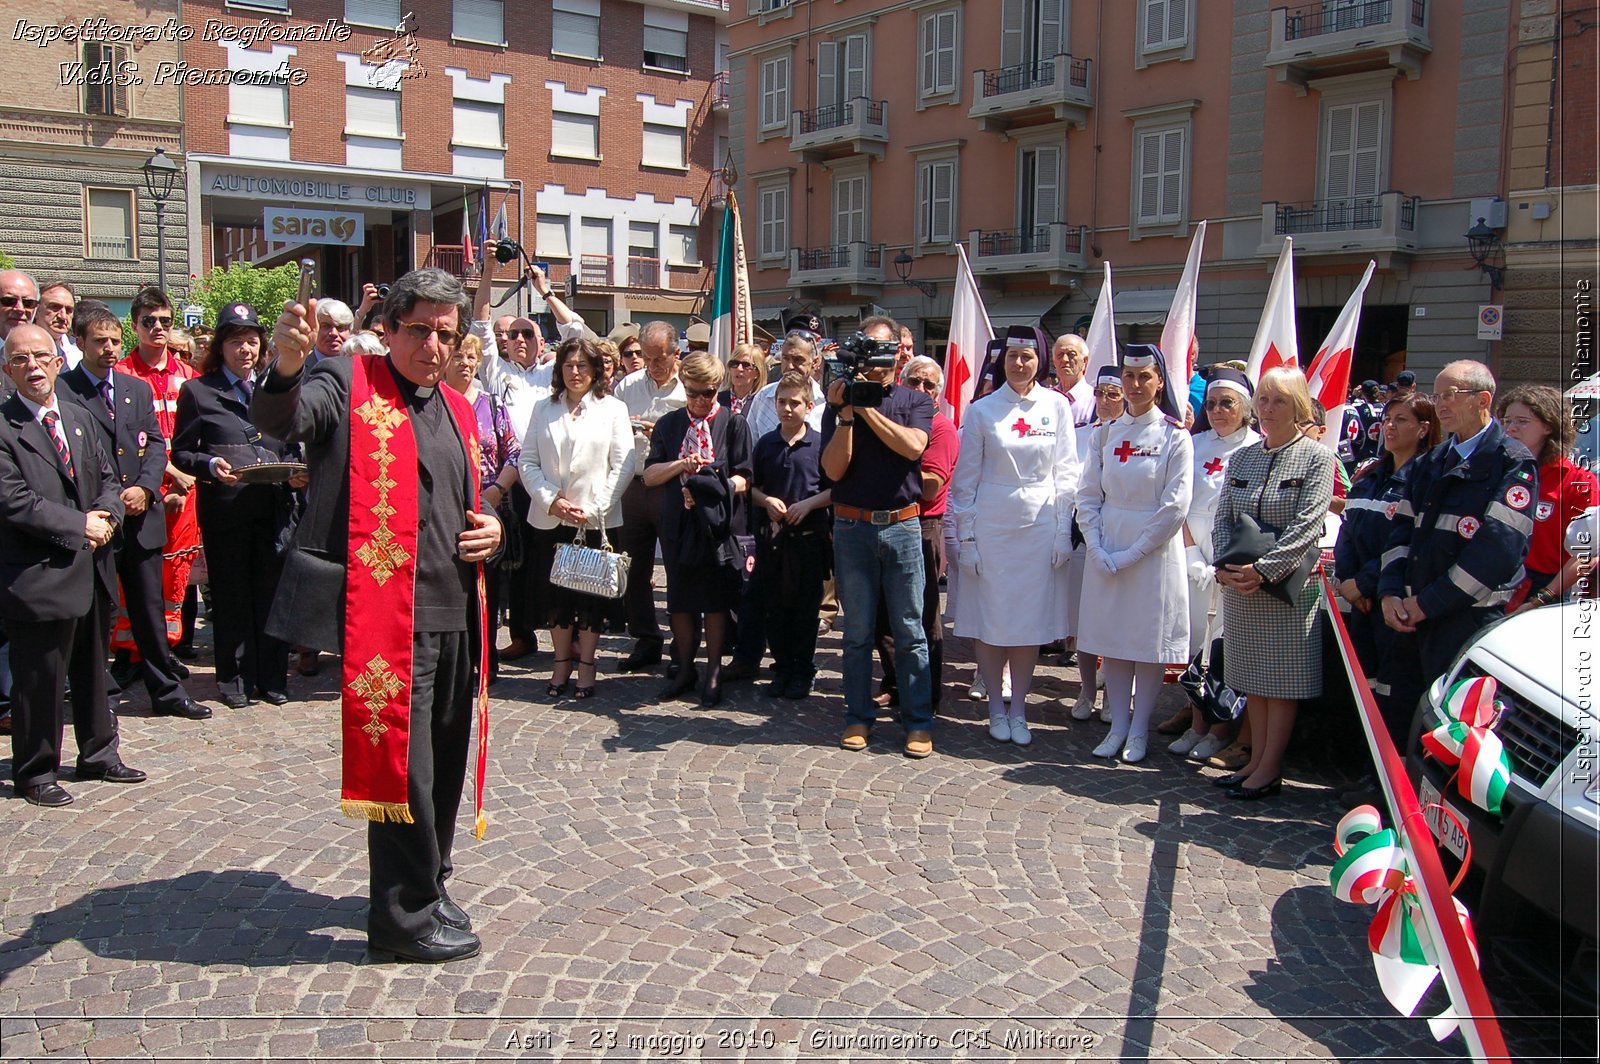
[774, 221]
[642, 238]
[109, 232]
[478, 125]
[572, 33]
[1049, 30]
[1164, 25]
[104, 92]
[827, 74]
[663, 146]
[1040, 198]
[1161, 176]
[939, 53]
[775, 92]
[258, 105]
[372, 112]
[683, 245]
[479, 20]
[666, 49]
[936, 181]
[1352, 160]
[384, 13]
[853, 63]
[850, 209]
[574, 135]
[596, 236]
[552, 242]
[1013, 39]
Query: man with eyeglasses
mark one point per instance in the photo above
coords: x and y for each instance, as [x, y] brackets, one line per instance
[798, 355]
[166, 372]
[386, 566]
[61, 509]
[57, 301]
[1454, 556]
[19, 299]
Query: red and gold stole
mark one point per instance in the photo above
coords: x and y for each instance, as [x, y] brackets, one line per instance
[380, 595]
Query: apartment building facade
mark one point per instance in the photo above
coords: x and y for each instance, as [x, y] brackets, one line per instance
[1049, 137]
[369, 129]
[81, 113]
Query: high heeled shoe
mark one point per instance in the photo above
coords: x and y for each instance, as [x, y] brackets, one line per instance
[711, 692]
[1255, 794]
[1232, 779]
[581, 693]
[684, 681]
[557, 690]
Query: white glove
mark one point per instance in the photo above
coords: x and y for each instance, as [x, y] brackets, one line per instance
[1123, 559]
[967, 556]
[1102, 561]
[1201, 574]
[1061, 550]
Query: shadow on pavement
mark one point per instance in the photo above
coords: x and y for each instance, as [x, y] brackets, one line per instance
[236, 916]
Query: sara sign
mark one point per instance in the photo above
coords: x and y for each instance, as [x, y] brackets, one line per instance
[289, 225]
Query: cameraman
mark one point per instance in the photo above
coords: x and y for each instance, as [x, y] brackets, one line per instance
[872, 454]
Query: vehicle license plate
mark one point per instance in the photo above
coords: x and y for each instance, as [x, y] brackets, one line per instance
[1451, 836]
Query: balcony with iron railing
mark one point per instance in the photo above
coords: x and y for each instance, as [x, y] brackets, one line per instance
[1386, 222]
[1056, 248]
[850, 127]
[855, 264]
[452, 259]
[594, 271]
[719, 93]
[1346, 36]
[1058, 87]
[644, 271]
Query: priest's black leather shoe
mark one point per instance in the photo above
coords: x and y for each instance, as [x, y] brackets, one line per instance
[452, 915]
[645, 655]
[50, 795]
[236, 700]
[272, 698]
[118, 773]
[189, 709]
[445, 944]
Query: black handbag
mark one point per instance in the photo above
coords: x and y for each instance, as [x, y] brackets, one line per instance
[1202, 681]
[1251, 539]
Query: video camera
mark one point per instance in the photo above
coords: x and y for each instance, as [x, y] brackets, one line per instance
[855, 357]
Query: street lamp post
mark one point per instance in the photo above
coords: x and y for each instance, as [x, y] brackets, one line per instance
[160, 174]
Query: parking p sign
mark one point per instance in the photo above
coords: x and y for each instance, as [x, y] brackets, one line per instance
[1491, 319]
[193, 315]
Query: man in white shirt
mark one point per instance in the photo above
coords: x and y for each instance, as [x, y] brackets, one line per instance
[648, 394]
[335, 322]
[798, 355]
[57, 301]
[1071, 358]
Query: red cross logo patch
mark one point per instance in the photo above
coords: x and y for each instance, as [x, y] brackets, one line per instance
[1468, 527]
[1518, 497]
[1213, 467]
[1543, 511]
[1390, 510]
[1021, 427]
[1124, 451]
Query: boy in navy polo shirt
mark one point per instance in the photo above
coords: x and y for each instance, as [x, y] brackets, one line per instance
[791, 501]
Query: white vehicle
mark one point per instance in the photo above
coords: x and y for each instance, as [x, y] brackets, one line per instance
[1538, 860]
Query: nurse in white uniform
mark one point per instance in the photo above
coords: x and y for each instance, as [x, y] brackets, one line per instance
[1012, 499]
[1228, 396]
[1107, 408]
[1137, 483]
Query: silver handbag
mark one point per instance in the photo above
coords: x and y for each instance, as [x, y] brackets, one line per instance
[597, 571]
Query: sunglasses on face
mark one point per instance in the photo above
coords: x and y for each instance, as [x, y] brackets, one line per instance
[1108, 393]
[1220, 404]
[927, 384]
[12, 301]
[523, 334]
[420, 332]
[151, 321]
[700, 393]
[741, 364]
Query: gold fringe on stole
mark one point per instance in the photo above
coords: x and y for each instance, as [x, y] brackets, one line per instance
[399, 812]
[481, 827]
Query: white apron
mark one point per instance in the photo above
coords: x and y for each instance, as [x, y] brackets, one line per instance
[1210, 468]
[1079, 553]
[1137, 484]
[1012, 492]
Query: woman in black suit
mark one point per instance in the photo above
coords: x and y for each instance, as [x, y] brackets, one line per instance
[241, 525]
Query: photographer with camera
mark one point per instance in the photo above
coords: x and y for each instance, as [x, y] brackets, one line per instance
[873, 436]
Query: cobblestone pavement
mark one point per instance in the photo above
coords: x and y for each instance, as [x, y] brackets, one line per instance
[662, 881]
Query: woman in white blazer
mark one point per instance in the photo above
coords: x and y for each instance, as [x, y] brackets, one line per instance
[576, 460]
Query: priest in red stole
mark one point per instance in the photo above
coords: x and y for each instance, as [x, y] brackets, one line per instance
[386, 566]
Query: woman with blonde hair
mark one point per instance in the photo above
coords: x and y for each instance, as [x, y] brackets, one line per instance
[705, 450]
[1273, 652]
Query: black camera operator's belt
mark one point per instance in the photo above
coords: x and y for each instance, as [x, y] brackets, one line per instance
[876, 517]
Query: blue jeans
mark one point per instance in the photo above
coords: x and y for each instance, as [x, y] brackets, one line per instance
[869, 561]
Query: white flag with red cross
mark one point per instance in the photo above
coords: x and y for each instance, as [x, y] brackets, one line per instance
[970, 333]
[1179, 345]
[1329, 375]
[1275, 344]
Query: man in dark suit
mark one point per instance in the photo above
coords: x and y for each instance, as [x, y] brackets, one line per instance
[59, 509]
[414, 724]
[121, 408]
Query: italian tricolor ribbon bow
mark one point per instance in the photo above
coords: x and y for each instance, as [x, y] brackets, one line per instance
[1373, 868]
[1465, 739]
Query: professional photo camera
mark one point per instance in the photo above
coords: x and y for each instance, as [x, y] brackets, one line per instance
[856, 356]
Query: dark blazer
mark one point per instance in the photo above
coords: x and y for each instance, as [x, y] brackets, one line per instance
[133, 442]
[47, 572]
[212, 417]
[312, 408]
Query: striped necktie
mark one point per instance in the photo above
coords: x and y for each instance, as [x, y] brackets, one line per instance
[105, 393]
[52, 425]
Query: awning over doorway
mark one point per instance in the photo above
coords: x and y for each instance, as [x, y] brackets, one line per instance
[1021, 309]
[1143, 306]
